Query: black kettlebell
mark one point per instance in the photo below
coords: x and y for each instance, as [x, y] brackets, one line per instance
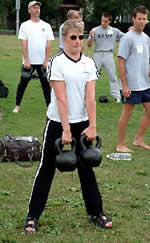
[103, 99]
[66, 160]
[90, 155]
[26, 73]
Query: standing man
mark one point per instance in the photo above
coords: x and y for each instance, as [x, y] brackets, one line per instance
[105, 38]
[133, 64]
[71, 15]
[35, 36]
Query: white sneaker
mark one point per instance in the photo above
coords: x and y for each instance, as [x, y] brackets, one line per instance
[117, 100]
[16, 109]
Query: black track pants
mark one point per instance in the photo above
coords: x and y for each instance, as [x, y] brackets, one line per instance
[46, 171]
[24, 83]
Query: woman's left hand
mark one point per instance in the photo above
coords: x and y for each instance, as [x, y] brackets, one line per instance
[90, 132]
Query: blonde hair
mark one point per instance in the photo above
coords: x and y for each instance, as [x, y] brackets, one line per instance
[69, 25]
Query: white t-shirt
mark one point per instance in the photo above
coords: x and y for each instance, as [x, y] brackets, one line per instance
[36, 34]
[75, 74]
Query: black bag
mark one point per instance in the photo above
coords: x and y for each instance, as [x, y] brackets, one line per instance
[3, 90]
[19, 149]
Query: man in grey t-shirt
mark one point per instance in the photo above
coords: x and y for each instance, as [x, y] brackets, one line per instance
[105, 38]
[133, 64]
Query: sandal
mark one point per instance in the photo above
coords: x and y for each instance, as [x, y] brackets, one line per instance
[30, 225]
[101, 221]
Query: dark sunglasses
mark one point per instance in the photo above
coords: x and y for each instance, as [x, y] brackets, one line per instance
[74, 37]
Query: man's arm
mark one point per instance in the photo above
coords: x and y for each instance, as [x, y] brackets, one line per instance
[24, 46]
[91, 38]
[47, 53]
[122, 74]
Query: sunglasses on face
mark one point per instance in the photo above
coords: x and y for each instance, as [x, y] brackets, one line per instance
[74, 37]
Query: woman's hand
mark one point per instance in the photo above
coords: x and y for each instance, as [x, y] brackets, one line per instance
[90, 132]
[66, 136]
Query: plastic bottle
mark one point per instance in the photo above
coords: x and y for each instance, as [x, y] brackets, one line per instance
[119, 156]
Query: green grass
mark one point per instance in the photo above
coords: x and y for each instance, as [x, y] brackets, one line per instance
[124, 185]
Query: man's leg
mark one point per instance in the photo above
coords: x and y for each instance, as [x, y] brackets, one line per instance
[111, 71]
[98, 58]
[45, 85]
[122, 126]
[144, 124]
[20, 91]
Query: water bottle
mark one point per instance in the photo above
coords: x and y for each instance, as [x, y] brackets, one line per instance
[119, 156]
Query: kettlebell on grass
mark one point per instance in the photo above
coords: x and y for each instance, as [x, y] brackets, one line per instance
[90, 155]
[66, 160]
[103, 99]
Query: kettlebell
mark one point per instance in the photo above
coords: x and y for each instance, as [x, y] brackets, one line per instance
[90, 156]
[103, 99]
[66, 160]
[26, 73]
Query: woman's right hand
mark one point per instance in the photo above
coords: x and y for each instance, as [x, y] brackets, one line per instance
[66, 136]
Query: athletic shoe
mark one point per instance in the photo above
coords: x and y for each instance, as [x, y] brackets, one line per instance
[16, 109]
[117, 100]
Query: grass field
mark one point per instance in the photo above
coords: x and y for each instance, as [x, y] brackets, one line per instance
[124, 185]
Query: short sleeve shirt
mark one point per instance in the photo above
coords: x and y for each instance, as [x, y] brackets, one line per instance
[135, 49]
[75, 74]
[37, 35]
[105, 39]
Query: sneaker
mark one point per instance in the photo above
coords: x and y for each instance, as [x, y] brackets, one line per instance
[16, 109]
[117, 100]
[101, 221]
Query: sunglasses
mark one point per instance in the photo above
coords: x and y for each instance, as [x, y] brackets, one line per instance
[74, 37]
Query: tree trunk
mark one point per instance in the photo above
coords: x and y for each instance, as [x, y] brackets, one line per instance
[4, 17]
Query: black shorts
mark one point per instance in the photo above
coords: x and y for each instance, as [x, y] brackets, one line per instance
[137, 97]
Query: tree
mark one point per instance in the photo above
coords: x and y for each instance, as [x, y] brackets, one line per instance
[5, 6]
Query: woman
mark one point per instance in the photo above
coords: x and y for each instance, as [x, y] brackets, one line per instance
[72, 112]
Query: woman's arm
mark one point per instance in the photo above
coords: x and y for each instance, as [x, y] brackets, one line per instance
[90, 104]
[60, 93]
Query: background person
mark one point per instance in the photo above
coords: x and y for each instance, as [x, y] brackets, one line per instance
[133, 64]
[71, 15]
[105, 37]
[35, 36]
[72, 112]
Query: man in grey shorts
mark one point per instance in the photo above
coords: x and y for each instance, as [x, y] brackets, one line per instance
[105, 38]
[133, 64]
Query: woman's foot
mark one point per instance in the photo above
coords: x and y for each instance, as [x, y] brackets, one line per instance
[30, 226]
[101, 221]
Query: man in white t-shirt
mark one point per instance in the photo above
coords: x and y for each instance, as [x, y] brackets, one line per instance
[35, 36]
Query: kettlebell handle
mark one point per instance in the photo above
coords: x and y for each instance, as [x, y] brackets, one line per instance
[59, 144]
[83, 139]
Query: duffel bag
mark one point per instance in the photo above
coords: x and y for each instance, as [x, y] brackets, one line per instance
[19, 149]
